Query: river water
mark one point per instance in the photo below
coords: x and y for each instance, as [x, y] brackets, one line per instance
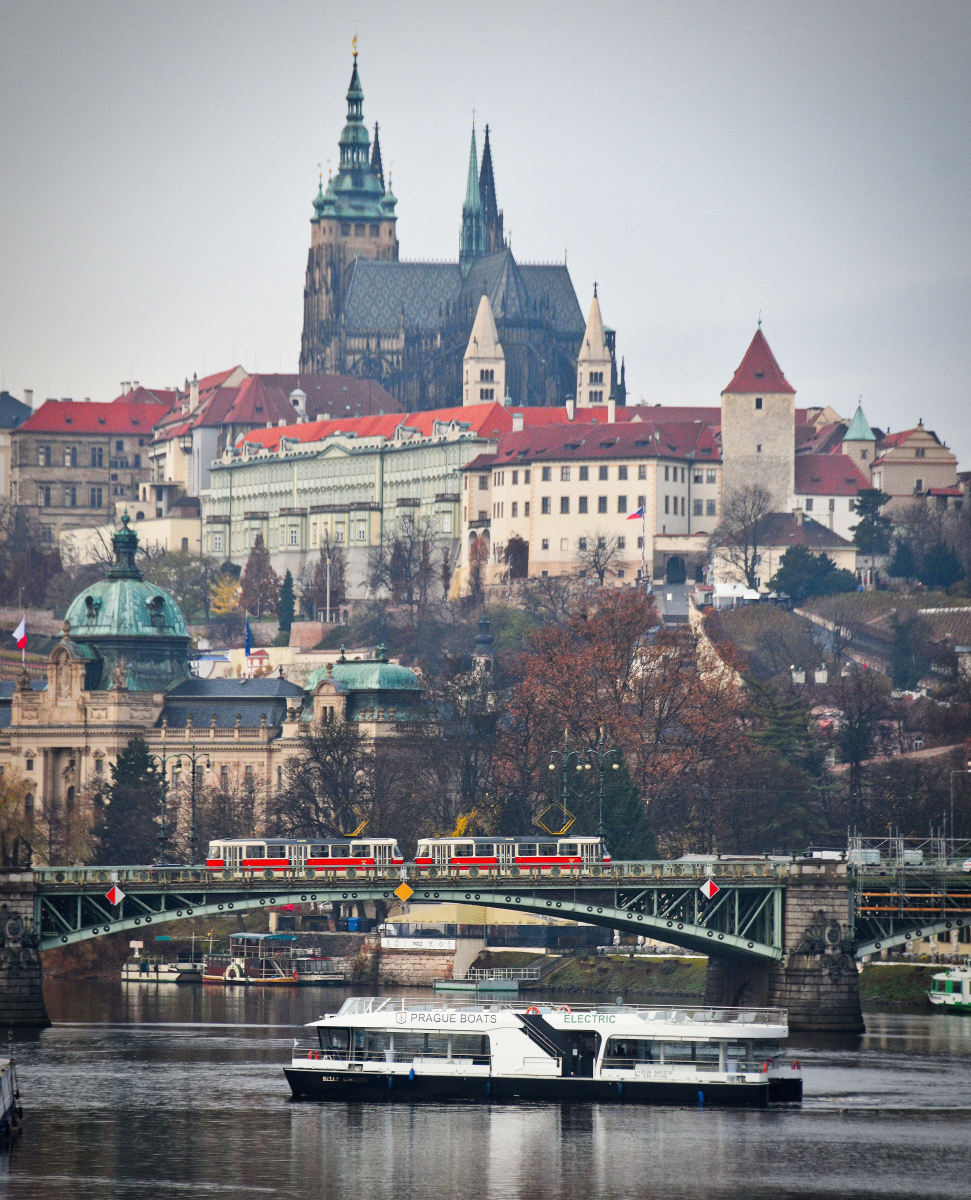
[160, 1091]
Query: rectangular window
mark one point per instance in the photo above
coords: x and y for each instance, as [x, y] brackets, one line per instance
[622, 504]
[919, 485]
[526, 508]
[682, 506]
[667, 474]
[642, 471]
[294, 535]
[711, 477]
[217, 542]
[809, 505]
[622, 543]
[667, 505]
[515, 508]
[565, 474]
[582, 504]
[483, 483]
[70, 497]
[359, 229]
[313, 533]
[584, 474]
[96, 497]
[545, 543]
[709, 508]
[515, 478]
[525, 477]
[641, 501]
[832, 506]
[97, 456]
[602, 473]
[582, 543]
[547, 474]
[373, 230]
[640, 543]
[70, 456]
[684, 474]
[339, 533]
[601, 504]
[447, 522]
[45, 496]
[919, 452]
[758, 401]
[697, 476]
[43, 456]
[119, 447]
[621, 472]
[564, 543]
[362, 533]
[545, 506]
[696, 508]
[564, 506]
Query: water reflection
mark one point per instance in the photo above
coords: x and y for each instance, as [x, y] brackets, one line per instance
[178, 1090]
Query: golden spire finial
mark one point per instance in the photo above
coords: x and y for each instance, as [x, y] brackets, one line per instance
[354, 44]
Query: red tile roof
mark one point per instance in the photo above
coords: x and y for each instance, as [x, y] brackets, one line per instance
[338, 395]
[784, 529]
[683, 440]
[257, 402]
[758, 372]
[945, 491]
[141, 395]
[828, 475]
[66, 416]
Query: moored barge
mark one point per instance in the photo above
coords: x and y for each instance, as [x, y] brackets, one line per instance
[387, 1049]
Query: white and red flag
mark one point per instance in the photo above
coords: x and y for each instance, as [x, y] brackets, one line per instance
[709, 888]
[20, 634]
[115, 896]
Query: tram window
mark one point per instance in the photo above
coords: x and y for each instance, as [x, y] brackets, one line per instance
[255, 852]
[395, 852]
[526, 849]
[334, 1040]
[423, 851]
[462, 850]
[360, 850]
[276, 852]
[546, 849]
[571, 848]
[484, 850]
[318, 851]
[340, 852]
[625, 1051]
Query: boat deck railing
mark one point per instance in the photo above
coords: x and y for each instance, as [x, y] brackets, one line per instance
[488, 973]
[682, 1015]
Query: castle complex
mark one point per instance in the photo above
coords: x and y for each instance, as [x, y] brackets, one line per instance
[407, 324]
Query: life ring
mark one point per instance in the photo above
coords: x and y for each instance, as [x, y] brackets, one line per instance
[532, 1011]
[563, 1008]
[314, 1054]
[795, 1065]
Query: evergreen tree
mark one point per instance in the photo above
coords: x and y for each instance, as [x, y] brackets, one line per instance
[907, 662]
[286, 604]
[127, 829]
[260, 585]
[872, 532]
[628, 832]
[940, 568]
[784, 728]
[802, 574]
[903, 565]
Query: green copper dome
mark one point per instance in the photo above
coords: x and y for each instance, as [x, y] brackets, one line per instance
[136, 628]
[370, 675]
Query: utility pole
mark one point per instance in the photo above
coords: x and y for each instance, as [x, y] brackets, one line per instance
[162, 766]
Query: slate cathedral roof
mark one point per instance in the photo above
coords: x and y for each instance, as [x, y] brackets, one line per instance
[385, 295]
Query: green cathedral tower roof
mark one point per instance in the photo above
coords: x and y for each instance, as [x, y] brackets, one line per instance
[859, 430]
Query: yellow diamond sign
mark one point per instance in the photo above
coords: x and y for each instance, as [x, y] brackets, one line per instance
[404, 892]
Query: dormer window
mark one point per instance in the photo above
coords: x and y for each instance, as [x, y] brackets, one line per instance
[92, 608]
[155, 612]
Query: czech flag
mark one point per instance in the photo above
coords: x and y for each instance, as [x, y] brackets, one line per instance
[20, 634]
[636, 516]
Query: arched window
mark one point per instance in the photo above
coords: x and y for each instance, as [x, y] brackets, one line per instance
[29, 809]
[69, 799]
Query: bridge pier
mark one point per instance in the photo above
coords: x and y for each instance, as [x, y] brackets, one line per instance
[21, 990]
[816, 979]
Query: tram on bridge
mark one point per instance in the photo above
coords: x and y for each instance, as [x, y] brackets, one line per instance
[284, 855]
[460, 854]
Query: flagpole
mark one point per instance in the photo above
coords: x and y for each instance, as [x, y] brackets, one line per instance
[644, 544]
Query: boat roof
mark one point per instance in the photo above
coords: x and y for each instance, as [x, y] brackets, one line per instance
[263, 937]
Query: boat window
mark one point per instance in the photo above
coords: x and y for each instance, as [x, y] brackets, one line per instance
[526, 849]
[547, 849]
[255, 852]
[462, 850]
[626, 1051]
[318, 852]
[484, 849]
[276, 852]
[340, 851]
[335, 1041]
[570, 848]
[360, 850]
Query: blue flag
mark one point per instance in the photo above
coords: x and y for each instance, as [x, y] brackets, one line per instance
[249, 641]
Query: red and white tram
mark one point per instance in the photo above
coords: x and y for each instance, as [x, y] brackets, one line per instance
[461, 853]
[289, 854]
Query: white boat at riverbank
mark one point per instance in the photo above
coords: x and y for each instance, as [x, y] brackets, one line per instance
[161, 970]
[952, 989]
[384, 1048]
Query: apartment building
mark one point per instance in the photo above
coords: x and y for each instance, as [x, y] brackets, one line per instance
[652, 489]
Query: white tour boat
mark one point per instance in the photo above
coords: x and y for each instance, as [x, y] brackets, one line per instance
[161, 970]
[387, 1048]
[952, 989]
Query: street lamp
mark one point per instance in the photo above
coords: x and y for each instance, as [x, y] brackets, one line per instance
[600, 756]
[162, 767]
[194, 758]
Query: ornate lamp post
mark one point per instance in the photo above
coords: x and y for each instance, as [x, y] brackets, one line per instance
[161, 768]
[600, 756]
[194, 758]
[567, 759]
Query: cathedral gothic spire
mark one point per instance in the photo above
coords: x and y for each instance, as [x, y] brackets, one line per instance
[491, 212]
[376, 164]
[472, 243]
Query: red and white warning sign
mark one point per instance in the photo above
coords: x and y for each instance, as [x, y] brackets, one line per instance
[115, 896]
[709, 888]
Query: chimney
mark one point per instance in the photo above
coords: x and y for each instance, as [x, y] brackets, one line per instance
[194, 393]
[611, 412]
[570, 409]
[800, 516]
[517, 422]
[29, 397]
[125, 386]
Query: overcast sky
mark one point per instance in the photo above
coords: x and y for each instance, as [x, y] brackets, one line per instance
[702, 161]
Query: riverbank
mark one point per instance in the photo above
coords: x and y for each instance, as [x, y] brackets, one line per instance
[897, 983]
[621, 975]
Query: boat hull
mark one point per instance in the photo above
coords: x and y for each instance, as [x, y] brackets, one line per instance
[949, 1003]
[375, 1086]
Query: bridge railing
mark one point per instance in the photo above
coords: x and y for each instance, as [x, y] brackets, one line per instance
[610, 873]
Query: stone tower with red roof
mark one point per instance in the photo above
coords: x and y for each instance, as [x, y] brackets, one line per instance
[758, 426]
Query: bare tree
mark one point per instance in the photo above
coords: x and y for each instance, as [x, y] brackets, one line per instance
[741, 535]
[597, 552]
[405, 564]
